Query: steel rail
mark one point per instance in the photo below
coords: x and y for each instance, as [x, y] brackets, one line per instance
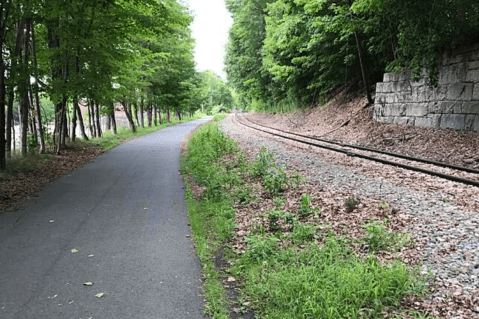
[416, 159]
[383, 161]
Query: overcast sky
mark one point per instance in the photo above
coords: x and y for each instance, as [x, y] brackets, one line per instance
[210, 30]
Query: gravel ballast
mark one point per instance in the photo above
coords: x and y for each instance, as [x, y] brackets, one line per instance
[450, 236]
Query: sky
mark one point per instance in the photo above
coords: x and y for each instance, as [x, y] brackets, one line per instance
[210, 30]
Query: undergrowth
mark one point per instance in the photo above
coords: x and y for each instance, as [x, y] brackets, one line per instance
[291, 266]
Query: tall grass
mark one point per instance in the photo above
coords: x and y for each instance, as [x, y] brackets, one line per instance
[211, 218]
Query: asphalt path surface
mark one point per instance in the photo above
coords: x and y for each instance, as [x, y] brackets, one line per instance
[119, 222]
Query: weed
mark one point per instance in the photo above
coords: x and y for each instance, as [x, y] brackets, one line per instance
[297, 180]
[244, 196]
[351, 203]
[275, 181]
[379, 238]
[303, 232]
[273, 218]
[279, 202]
[262, 163]
[384, 206]
[20, 164]
[289, 218]
[261, 247]
[305, 209]
[32, 143]
[445, 200]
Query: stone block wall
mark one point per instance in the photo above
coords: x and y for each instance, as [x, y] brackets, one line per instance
[453, 104]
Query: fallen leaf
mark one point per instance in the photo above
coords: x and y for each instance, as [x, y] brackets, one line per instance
[99, 295]
[231, 279]
[89, 283]
[74, 250]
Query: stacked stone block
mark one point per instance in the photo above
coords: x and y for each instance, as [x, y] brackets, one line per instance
[453, 104]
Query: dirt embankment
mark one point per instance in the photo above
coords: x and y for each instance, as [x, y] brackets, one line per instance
[441, 145]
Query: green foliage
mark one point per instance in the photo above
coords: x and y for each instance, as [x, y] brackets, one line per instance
[261, 247]
[32, 143]
[320, 282]
[305, 206]
[262, 163]
[275, 180]
[288, 53]
[244, 196]
[379, 238]
[213, 95]
[206, 148]
[303, 232]
[284, 275]
[273, 218]
[212, 218]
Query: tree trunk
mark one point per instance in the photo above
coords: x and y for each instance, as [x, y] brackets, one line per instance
[142, 108]
[135, 110]
[65, 122]
[129, 115]
[37, 98]
[24, 83]
[160, 119]
[168, 115]
[113, 121]
[149, 114]
[91, 118]
[11, 97]
[32, 117]
[23, 108]
[98, 123]
[108, 122]
[155, 115]
[3, 94]
[4, 19]
[76, 108]
[60, 127]
[74, 120]
[363, 68]
[179, 115]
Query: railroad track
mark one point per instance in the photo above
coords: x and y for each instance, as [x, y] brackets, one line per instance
[322, 143]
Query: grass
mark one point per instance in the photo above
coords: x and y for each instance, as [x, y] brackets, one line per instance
[212, 218]
[320, 282]
[314, 273]
[22, 165]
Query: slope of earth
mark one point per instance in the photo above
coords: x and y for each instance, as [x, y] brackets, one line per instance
[441, 145]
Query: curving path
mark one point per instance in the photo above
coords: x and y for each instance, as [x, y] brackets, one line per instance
[120, 222]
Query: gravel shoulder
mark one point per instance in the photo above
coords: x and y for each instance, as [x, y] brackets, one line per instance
[441, 215]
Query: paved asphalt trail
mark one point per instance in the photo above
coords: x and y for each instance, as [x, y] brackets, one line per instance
[127, 209]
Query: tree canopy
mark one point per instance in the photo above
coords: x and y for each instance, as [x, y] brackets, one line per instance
[297, 51]
[99, 52]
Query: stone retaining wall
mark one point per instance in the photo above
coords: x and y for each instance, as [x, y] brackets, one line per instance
[453, 104]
